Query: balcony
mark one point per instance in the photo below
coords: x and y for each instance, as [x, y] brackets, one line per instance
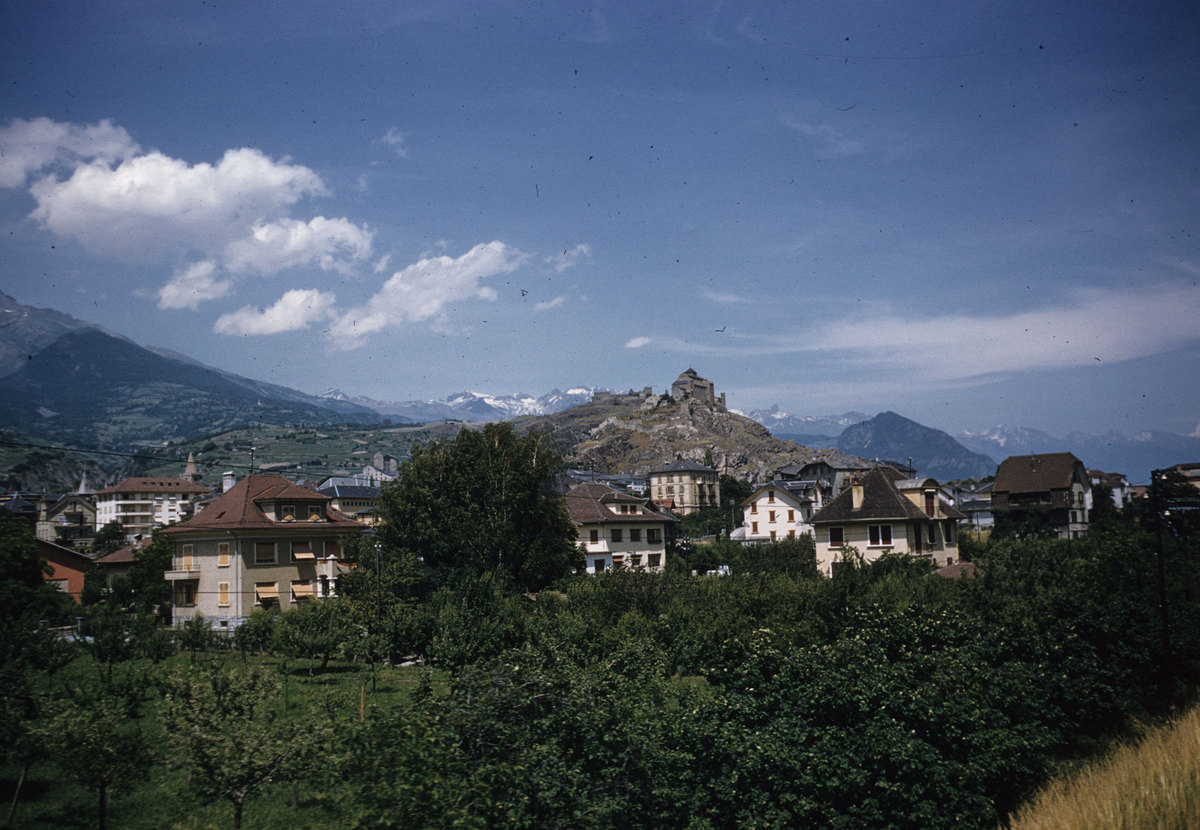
[176, 576]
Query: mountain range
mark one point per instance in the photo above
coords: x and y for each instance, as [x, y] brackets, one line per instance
[70, 382]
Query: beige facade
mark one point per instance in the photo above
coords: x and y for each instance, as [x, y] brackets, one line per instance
[684, 487]
[883, 513]
[264, 543]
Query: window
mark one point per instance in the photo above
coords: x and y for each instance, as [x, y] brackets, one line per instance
[288, 514]
[653, 535]
[635, 534]
[189, 562]
[223, 594]
[754, 527]
[616, 534]
[598, 566]
[932, 535]
[266, 593]
[771, 516]
[333, 550]
[949, 533]
[302, 589]
[595, 537]
[223, 554]
[791, 534]
[771, 496]
[635, 560]
[653, 560]
[185, 594]
[837, 537]
[314, 513]
[264, 553]
[879, 535]
[302, 550]
[754, 507]
[772, 536]
[791, 515]
[618, 560]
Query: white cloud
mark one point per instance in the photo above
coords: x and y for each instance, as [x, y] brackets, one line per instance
[1095, 327]
[296, 309]
[395, 139]
[637, 342]
[829, 140]
[723, 297]
[289, 243]
[569, 258]
[195, 284]
[425, 290]
[152, 204]
[546, 305]
[28, 147]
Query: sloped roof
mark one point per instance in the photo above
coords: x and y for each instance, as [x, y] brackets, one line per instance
[683, 465]
[155, 484]
[794, 490]
[1036, 473]
[881, 500]
[587, 504]
[239, 508]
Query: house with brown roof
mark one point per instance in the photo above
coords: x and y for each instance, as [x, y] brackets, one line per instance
[1050, 491]
[883, 512]
[264, 542]
[618, 529]
[143, 503]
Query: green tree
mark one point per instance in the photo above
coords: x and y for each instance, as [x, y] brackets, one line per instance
[483, 502]
[223, 728]
[94, 735]
[314, 631]
[109, 538]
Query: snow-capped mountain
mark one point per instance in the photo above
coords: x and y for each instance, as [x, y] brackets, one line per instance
[473, 406]
[780, 422]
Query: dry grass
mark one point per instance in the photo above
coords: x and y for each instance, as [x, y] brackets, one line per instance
[1151, 784]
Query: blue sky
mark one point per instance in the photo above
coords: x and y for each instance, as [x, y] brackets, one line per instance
[971, 214]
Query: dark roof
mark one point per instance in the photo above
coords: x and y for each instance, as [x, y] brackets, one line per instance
[1037, 473]
[959, 570]
[587, 505]
[351, 491]
[238, 507]
[795, 489]
[881, 500]
[683, 465]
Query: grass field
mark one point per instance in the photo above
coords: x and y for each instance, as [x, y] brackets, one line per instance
[163, 800]
[1154, 783]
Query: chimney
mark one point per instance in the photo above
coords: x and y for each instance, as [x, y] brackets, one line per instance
[856, 492]
[227, 481]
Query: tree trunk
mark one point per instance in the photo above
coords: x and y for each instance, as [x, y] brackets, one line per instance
[103, 808]
[237, 814]
[12, 810]
[295, 794]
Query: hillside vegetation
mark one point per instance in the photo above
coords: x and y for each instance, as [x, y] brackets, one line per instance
[623, 435]
[1152, 783]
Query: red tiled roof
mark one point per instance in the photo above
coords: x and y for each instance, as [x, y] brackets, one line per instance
[587, 505]
[238, 508]
[155, 484]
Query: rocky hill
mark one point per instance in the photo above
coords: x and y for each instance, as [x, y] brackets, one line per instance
[636, 434]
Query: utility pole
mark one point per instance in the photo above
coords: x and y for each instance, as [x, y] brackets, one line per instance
[1156, 502]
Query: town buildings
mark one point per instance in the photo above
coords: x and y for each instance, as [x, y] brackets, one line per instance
[684, 487]
[778, 510]
[142, 503]
[618, 529]
[882, 512]
[265, 542]
[1046, 492]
